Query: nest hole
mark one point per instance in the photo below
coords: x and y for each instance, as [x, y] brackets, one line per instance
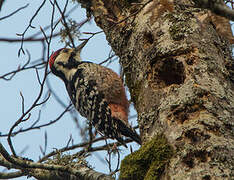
[206, 177]
[149, 38]
[172, 72]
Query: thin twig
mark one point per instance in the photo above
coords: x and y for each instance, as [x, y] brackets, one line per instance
[64, 22]
[22, 164]
[33, 127]
[29, 26]
[14, 12]
[35, 103]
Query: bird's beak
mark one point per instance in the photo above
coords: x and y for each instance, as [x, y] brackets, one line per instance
[80, 47]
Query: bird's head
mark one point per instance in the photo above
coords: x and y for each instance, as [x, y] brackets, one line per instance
[62, 61]
[64, 58]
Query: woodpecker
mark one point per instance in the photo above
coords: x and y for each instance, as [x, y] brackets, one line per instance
[97, 93]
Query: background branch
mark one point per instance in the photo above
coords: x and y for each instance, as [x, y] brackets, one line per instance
[216, 6]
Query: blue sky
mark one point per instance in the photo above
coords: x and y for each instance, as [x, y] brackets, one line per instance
[25, 82]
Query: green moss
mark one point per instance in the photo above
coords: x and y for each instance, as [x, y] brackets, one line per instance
[155, 170]
[148, 162]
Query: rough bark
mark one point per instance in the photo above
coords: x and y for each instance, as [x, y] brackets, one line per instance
[180, 75]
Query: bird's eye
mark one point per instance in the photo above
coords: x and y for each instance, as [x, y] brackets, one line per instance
[65, 50]
[61, 63]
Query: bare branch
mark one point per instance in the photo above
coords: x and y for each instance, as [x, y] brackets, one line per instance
[43, 150]
[43, 32]
[35, 103]
[54, 94]
[11, 175]
[38, 77]
[22, 97]
[108, 59]
[69, 140]
[11, 14]
[13, 73]
[81, 170]
[44, 101]
[216, 6]
[32, 38]
[69, 148]
[28, 39]
[64, 21]
[29, 26]
[33, 127]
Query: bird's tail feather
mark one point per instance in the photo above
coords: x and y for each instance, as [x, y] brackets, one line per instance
[127, 131]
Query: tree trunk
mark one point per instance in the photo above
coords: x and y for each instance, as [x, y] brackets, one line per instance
[179, 72]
